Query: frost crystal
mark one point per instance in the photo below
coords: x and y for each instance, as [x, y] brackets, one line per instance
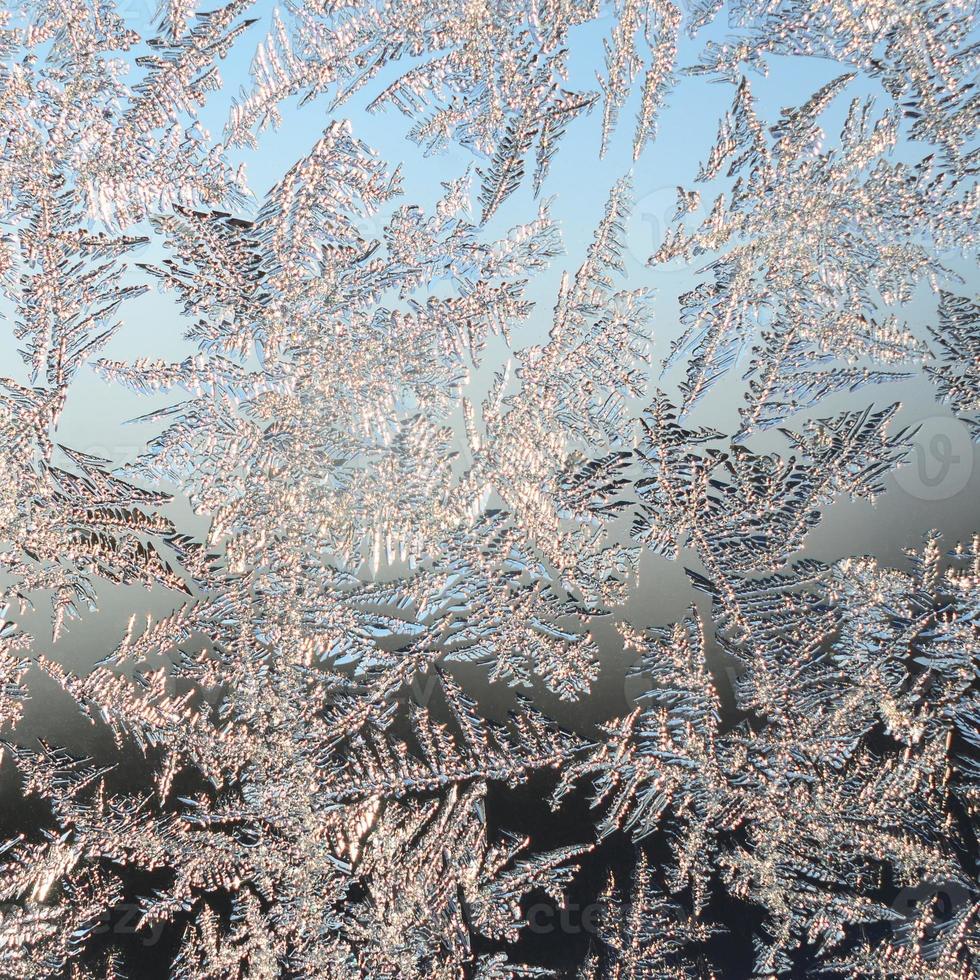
[416, 482]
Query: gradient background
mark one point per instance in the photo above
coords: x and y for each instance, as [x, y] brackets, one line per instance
[944, 495]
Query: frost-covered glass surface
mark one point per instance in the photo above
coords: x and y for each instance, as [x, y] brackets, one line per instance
[488, 489]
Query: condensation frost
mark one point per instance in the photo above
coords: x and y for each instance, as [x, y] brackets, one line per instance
[405, 494]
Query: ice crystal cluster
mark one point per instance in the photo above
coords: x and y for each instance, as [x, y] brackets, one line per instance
[411, 461]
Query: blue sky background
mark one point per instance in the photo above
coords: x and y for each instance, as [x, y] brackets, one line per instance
[96, 412]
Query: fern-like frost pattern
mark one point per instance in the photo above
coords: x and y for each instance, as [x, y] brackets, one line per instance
[387, 543]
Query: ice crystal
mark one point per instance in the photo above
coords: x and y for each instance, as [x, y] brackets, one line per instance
[489, 76]
[408, 481]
